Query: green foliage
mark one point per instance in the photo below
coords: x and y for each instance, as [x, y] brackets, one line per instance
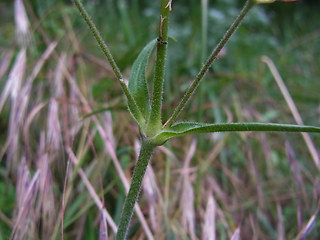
[237, 88]
[7, 193]
[137, 81]
[138, 100]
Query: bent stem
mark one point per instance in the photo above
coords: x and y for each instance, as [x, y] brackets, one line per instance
[138, 174]
[192, 88]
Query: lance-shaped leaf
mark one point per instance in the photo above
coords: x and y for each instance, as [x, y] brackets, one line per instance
[137, 80]
[184, 128]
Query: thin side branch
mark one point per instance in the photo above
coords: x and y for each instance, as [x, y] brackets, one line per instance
[105, 49]
[194, 85]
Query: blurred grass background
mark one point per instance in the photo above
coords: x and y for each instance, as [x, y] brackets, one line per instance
[266, 185]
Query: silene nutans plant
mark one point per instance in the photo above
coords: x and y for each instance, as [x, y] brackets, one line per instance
[145, 105]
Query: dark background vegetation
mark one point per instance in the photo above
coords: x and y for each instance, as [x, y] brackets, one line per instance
[255, 174]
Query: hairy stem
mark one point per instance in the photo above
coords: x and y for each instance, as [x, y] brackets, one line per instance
[155, 115]
[192, 88]
[105, 49]
[138, 174]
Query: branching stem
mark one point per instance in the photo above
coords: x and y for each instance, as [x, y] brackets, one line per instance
[192, 88]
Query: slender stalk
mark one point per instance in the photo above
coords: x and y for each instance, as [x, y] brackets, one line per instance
[204, 51]
[138, 174]
[154, 122]
[181, 129]
[105, 49]
[192, 88]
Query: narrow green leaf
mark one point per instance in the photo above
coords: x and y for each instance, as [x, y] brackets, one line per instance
[184, 128]
[137, 80]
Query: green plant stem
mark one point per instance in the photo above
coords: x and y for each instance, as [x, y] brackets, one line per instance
[105, 49]
[192, 88]
[154, 122]
[185, 128]
[138, 174]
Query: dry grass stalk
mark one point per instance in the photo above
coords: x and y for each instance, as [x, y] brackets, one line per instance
[299, 215]
[22, 23]
[267, 153]
[103, 231]
[27, 189]
[150, 191]
[316, 189]
[26, 90]
[187, 196]
[255, 175]
[26, 127]
[209, 228]
[309, 226]
[19, 109]
[280, 226]
[168, 152]
[13, 87]
[54, 137]
[108, 128]
[13, 138]
[99, 61]
[14, 82]
[295, 169]
[213, 186]
[236, 234]
[65, 196]
[293, 108]
[74, 115]
[108, 146]
[119, 170]
[187, 207]
[213, 154]
[4, 64]
[254, 227]
[46, 209]
[91, 190]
